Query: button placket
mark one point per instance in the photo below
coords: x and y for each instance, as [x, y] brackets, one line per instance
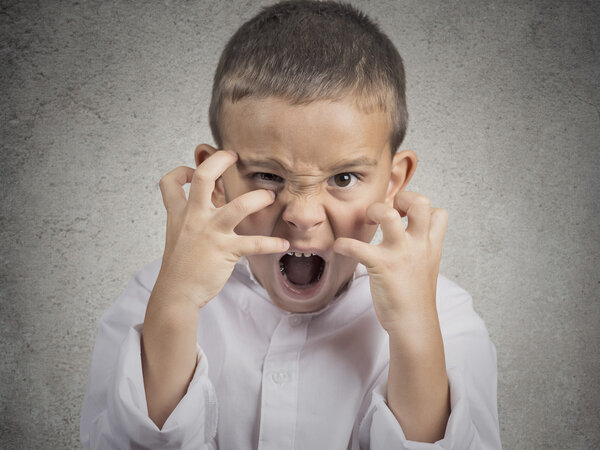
[280, 377]
[279, 396]
[296, 320]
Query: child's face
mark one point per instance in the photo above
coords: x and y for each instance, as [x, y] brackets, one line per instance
[326, 162]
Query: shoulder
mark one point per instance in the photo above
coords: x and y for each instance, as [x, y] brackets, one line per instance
[455, 310]
[451, 295]
[129, 309]
[147, 275]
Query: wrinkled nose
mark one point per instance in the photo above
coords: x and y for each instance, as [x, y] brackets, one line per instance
[303, 213]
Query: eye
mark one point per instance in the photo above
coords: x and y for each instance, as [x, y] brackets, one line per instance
[267, 177]
[344, 180]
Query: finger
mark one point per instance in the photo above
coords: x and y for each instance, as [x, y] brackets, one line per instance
[260, 245]
[417, 208]
[203, 181]
[439, 225]
[390, 221]
[360, 251]
[171, 187]
[235, 211]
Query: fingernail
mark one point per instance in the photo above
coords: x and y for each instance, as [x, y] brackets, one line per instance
[233, 153]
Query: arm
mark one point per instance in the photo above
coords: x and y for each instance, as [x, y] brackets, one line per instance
[168, 351]
[403, 272]
[114, 414]
[417, 391]
[472, 375]
[441, 391]
[148, 385]
[201, 250]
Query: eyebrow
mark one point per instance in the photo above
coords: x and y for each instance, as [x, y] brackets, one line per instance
[340, 166]
[361, 161]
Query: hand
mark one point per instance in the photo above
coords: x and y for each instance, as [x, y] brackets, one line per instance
[201, 247]
[403, 268]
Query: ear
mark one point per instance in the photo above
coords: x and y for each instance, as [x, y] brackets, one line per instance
[404, 164]
[201, 153]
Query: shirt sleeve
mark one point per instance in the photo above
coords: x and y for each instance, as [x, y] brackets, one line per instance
[114, 413]
[472, 375]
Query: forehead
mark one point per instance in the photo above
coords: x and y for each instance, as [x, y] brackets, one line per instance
[321, 133]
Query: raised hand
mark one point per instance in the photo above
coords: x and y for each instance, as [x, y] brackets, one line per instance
[403, 268]
[201, 247]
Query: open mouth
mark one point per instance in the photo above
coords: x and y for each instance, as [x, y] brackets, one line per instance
[301, 270]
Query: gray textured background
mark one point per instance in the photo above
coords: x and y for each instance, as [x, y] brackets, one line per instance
[100, 99]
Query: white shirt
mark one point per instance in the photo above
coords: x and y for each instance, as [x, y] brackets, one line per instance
[273, 380]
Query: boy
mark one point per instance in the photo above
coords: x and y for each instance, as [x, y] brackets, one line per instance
[258, 329]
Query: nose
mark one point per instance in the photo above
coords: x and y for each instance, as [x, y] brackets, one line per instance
[303, 212]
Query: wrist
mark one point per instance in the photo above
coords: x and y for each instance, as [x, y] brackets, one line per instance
[170, 326]
[172, 292]
[417, 337]
[412, 320]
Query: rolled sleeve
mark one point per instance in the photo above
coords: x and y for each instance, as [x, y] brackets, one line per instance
[124, 423]
[471, 367]
[381, 431]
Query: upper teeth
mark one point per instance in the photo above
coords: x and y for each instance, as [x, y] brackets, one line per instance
[299, 254]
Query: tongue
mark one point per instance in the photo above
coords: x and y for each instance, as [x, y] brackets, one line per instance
[301, 270]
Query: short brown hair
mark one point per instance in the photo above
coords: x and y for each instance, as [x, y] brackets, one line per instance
[303, 51]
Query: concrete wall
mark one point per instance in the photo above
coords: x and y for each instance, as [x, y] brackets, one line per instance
[101, 98]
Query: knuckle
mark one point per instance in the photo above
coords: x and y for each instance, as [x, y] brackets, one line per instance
[200, 176]
[188, 226]
[391, 214]
[422, 200]
[222, 247]
[353, 246]
[195, 223]
[440, 214]
[418, 204]
[162, 183]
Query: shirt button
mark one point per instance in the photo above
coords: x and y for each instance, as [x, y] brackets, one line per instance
[280, 377]
[296, 320]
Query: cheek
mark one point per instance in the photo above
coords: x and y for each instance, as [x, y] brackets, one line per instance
[260, 223]
[350, 220]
